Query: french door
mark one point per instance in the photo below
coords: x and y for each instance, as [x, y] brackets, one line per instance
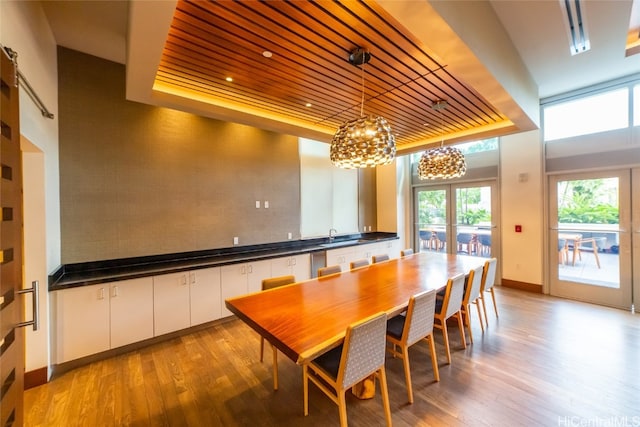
[457, 218]
[594, 236]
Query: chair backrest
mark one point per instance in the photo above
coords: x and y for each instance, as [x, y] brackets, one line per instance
[364, 349]
[274, 282]
[358, 263]
[406, 252]
[489, 274]
[453, 297]
[474, 285]
[419, 320]
[331, 269]
[380, 258]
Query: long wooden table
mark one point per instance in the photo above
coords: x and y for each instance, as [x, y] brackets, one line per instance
[306, 319]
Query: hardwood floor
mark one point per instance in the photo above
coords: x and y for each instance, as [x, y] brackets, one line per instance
[545, 361]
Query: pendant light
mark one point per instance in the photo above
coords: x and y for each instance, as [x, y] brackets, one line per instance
[366, 141]
[442, 162]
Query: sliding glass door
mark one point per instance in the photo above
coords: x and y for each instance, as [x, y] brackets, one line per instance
[457, 218]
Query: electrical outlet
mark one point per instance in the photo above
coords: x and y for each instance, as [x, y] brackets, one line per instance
[266, 204]
[236, 240]
[257, 204]
[289, 236]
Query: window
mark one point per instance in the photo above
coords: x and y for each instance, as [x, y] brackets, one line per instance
[591, 114]
[636, 105]
[467, 148]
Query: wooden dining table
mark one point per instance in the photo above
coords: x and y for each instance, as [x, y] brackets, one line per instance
[306, 319]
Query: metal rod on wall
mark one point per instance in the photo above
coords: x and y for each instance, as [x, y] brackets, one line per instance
[23, 82]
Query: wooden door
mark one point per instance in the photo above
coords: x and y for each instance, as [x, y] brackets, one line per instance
[11, 305]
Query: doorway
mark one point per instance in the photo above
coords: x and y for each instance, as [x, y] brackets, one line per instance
[591, 236]
[457, 218]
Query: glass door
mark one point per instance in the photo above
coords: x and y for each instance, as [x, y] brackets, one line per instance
[457, 218]
[590, 238]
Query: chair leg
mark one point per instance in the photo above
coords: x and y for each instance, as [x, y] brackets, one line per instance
[477, 303]
[467, 321]
[305, 389]
[484, 308]
[445, 338]
[275, 367]
[461, 327]
[407, 372]
[495, 306]
[342, 408]
[434, 358]
[385, 395]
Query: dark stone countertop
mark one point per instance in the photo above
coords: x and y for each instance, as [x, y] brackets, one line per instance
[91, 273]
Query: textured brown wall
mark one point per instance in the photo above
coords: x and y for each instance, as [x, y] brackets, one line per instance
[138, 180]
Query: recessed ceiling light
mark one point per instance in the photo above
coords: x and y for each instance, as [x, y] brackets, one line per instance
[267, 54]
[229, 79]
[308, 104]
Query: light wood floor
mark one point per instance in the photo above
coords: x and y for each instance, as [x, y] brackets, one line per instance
[545, 361]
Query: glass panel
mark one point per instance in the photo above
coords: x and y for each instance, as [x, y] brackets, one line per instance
[588, 231]
[636, 105]
[598, 113]
[473, 217]
[432, 220]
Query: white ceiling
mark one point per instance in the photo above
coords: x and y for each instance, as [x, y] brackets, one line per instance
[536, 29]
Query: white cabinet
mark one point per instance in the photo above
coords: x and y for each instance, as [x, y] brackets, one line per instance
[366, 251]
[341, 257]
[241, 279]
[91, 319]
[185, 299]
[298, 265]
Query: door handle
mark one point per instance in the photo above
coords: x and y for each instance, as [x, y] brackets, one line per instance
[35, 303]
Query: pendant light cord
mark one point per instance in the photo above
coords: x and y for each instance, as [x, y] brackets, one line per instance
[362, 101]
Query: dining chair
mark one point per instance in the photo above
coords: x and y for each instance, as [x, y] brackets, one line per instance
[270, 283]
[406, 252]
[331, 269]
[448, 307]
[472, 296]
[364, 262]
[563, 251]
[488, 279]
[360, 355]
[380, 258]
[405, 330]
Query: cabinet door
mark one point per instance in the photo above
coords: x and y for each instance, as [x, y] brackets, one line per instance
[367, 251]
[170, 303]
[131, 311]
[301, 267]
[205, 295]
[82, 322]
[233, 282]
[281, 267]
[257, 271]
[341, 257]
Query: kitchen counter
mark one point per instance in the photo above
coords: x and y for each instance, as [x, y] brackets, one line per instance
[89, 273]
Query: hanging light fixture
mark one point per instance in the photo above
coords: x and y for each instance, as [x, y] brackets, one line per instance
[442, 162]
[366, 141]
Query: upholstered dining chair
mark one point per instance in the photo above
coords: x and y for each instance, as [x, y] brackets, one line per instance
[361, 354]
[270, 283]
[488, 280]
[405, 330]
[450, 306]
[364, 262]
[406, 252]
[331, 269]
[472, 296]
[380, 258]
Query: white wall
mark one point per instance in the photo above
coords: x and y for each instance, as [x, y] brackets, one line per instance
[522, 203]
[24, 28]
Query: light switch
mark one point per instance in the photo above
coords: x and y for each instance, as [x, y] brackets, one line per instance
[266, 204]
[257, 204]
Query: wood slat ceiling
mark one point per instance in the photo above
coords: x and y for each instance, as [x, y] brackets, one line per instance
[310, 43]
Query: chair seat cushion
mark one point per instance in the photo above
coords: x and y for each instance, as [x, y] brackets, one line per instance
[330, 361]
[395, 325]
